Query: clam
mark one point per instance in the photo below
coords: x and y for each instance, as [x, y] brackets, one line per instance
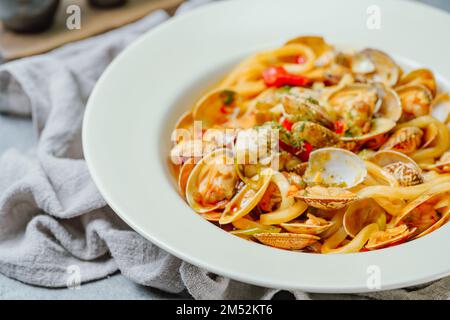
[185, 121]
[313, 225]
[362, 213]
[416, 100]
[212, 107]
[300, 168]
[406, 140]
[391, 236]
[430, 135]
[406, 174]
[376, 66]
[334, 167]
[422, 77]
[355, 103]
[247, 198]
[315, 134]
[362, 64]
[187, 149]
[299, 108]
[427, 212]
[369, 111]
[183, 176]
[330, 198]
[211, 184]
[333, 74]
[379, 129]
[386, 157]
[440, 108]
[360, 102]
[389, 105]
[290, 241]
[403, 168]
[213, 216]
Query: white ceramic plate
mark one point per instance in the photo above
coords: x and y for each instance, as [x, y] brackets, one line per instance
[136, 102]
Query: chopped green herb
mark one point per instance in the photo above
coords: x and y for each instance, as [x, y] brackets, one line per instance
[285, 89]
[227, 97]
[348, 133]
[312, 100]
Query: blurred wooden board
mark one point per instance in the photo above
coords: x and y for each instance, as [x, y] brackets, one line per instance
[93, 21]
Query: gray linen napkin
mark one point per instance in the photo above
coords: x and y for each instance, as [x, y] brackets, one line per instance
[53, 221]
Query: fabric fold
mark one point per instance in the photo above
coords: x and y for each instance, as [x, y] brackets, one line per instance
[53, 220]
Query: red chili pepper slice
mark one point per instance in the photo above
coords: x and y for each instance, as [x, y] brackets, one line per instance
[272, 75]
[288, 148]
[278, 77]
[339, 127]
[307, 149]
[302, 153]
[287, 124]
[226, 109]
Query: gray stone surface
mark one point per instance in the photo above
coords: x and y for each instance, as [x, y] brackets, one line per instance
[18, 133]
[115, 287]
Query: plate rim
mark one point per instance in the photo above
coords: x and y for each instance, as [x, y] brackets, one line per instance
[98, 181]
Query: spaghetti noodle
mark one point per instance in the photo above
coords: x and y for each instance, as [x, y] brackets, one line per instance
[307, 147]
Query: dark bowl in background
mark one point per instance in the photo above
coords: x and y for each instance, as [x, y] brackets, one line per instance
[107, 3]
[28, 15]
[38, 15]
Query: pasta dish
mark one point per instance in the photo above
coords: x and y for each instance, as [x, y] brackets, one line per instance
[312, 148]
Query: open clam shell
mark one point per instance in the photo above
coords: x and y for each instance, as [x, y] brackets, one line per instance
[430, 135]
[384, 238]
[185, 121]
[380, 127]
[389, 105]
[315, 134]
[443, 219]
[304, 108]
[385, 157]
[380, 100]
[330, 198]
[362, 213]
[210, 110]
[183, 176]
[247, 198]
[289, 241]
[376, 66]
[346, 97]
[427, 212]
[422, 77]
[440, 107]
[212, 181]
[334, 167]
[406, 140]
[416, 99]
[313, 225]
